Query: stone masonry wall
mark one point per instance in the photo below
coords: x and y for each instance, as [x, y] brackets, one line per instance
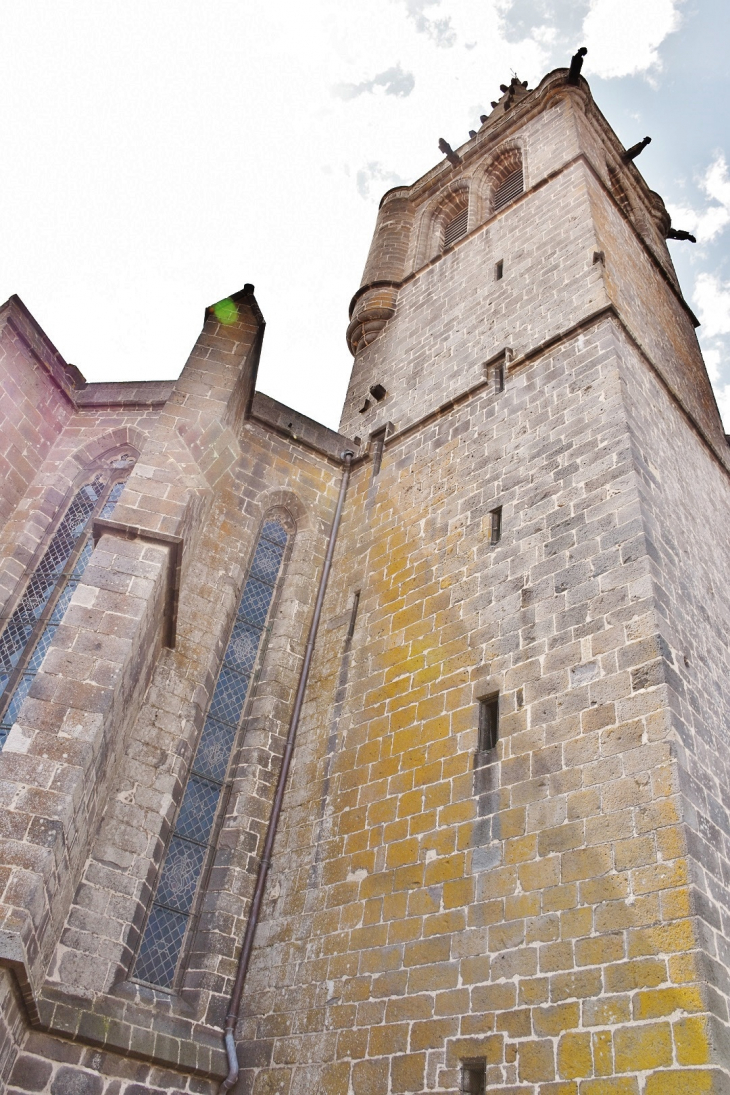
[205, 477]
[37, 388]
[423, 908]
[112, 898]
[686, 509]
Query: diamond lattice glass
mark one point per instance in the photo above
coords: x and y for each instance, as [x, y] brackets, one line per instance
[180, 875]
[229, 696]
[255, 602]
[161, 946]
[197, 812]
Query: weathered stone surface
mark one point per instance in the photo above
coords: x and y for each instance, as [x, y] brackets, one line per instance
[553, 912]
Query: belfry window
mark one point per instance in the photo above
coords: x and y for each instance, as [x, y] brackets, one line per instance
[194, 831]
[29, 630]
[455, 229]
[508, 190]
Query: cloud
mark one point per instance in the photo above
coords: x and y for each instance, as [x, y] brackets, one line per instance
[713, 361]
[546, 21]
[439, 30]
[722, 395]
[707, 223]
[394, 80]
[712, 299]
[623, 36]
[375, 172]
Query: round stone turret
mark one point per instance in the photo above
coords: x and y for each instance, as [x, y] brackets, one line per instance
[374, 303]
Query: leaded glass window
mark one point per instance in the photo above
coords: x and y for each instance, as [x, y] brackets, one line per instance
[30, 629]
[192, 836]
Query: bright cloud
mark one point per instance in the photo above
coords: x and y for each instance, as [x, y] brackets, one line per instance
[440, 30]
[375, 173]
[623, 36]
[712, 298]
[713, 361]
[394, 80]
[707, 223]
[722, 395]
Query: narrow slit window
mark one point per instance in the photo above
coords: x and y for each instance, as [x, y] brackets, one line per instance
[488, 724]
[499, 377]
[194, 831]
[499, 270]
[473, 1078]
[378, 442]
[495, 525]
[31, 627]
[508, 190]
[456, 228]
[353, 614]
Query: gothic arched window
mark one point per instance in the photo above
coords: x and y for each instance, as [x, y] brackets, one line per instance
[193, 833]
[29, 630]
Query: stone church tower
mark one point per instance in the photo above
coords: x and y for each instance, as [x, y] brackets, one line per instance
[400, 753]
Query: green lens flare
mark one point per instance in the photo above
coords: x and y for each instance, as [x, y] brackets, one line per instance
[226, 311]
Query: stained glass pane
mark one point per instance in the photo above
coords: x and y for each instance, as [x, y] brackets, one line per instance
[114, 495]
[161, 946]
[229, 696]
[255, 602]
[83, 559]
[197, 812]
[22, 689]
[41, 647]
[266, 561]
[180, 875]
[214, 750]
[275, 532]
[62, 603]
[43, 581]
[243, 647]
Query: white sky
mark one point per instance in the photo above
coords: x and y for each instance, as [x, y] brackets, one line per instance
[157, 155]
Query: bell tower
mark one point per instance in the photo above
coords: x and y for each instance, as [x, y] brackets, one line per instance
[517, 878]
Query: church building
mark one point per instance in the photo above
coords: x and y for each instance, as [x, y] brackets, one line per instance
[394, 759]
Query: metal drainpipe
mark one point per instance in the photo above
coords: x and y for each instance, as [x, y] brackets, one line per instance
[235, 1003]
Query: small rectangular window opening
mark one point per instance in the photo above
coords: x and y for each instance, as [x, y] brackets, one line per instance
[473, 1078]
[488, 723]
[499, 270]
[377, 440]
[353, 614]
[495, 525]
[499, 377]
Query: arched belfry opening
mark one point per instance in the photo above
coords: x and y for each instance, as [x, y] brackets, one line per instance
[505, 179]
